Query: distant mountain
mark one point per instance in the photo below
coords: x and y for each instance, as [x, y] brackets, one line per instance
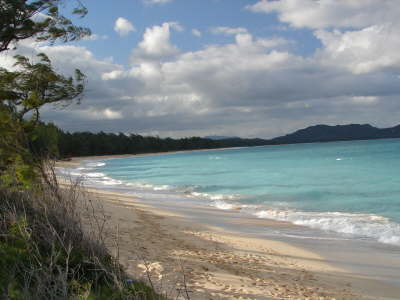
[326, 133]
[313, 134]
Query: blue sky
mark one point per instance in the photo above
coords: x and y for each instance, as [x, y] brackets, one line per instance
[191, 14]
[258, 68]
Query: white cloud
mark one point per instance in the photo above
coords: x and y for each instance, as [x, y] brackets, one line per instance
[228, 30]
[330, 13]
[242, 37]
[123, 27]
[95, 37]
[370, 49]
[112, 75]
[68, 57]
[148, 72]
[156, 43]
[196, 32]
[25, 47]
[359, 36]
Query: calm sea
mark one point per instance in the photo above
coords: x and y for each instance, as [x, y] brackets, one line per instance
[349, 188]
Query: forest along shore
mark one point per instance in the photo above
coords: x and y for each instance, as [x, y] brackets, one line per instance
[179, 256]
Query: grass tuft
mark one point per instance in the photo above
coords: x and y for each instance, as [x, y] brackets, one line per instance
[52, 247]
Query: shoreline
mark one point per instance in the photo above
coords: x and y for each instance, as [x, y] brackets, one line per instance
[75, 161]
[294, 259]
[224, 264]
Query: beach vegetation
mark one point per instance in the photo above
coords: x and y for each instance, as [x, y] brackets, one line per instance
[23, 93]
[32, 84]
[51, 246]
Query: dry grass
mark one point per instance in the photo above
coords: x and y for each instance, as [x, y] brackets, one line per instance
[52, 246]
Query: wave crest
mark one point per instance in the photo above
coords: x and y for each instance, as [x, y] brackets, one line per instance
[359, 225]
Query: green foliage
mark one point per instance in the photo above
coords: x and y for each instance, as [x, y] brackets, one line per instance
[44, 140]
[34, 84]
[15, 251]
[16, 161]
[23, 93]
[87, 143]
[38, 19]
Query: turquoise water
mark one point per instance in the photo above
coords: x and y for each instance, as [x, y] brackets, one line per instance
[351, 188]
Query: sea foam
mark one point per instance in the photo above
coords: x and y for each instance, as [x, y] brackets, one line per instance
[357, 225]
[95, 164]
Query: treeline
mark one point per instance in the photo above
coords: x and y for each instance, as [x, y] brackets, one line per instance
[87, 143]
[51, 139]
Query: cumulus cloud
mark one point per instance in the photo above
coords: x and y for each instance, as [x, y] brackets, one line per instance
[327, 13]
[123, 27]
[370, 49]
[156, 43]
[360, 36]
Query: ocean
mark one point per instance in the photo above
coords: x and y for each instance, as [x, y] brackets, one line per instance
[349, 190]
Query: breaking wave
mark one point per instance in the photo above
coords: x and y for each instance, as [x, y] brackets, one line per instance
[357, 225]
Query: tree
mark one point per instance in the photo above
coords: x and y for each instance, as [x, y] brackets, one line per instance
[40, 19]
[34, 84]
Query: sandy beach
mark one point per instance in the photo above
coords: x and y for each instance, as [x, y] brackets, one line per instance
[181, 257]
[75, 161]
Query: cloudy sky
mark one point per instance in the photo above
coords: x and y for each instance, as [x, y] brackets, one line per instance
[245, 68]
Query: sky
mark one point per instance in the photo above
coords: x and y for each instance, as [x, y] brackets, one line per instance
[255, 68]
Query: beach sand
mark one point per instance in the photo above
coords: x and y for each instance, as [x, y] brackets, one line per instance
[180, 256]
[75, 161]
